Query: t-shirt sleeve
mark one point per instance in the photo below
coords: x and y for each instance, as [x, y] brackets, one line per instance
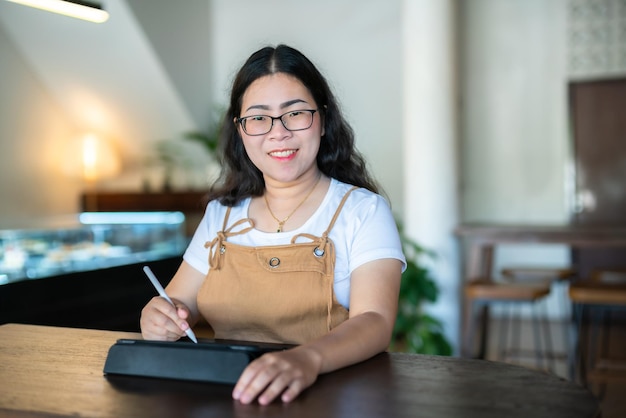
[374, 233]
[196, 255]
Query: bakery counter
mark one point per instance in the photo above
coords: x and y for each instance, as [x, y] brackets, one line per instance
[88, 272]
[89, 241]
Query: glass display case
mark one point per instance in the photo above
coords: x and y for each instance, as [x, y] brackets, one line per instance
[91, 241]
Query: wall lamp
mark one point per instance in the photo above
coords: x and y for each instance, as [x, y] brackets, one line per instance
[90, 11]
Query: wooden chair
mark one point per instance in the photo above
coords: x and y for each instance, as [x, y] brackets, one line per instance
[538, 274]
[595, 300]
[519, 286]
[558, 279]
[481, 294]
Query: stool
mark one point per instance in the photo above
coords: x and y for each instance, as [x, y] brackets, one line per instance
[482, 293]
[553, 277]
[594, 300]
[538, 274]
[546, 275]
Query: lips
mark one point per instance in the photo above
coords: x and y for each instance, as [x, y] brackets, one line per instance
[282, 153]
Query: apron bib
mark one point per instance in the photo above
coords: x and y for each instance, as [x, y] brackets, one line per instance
[278, 293]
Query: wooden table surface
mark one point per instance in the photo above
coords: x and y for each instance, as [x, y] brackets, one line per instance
[57, 372]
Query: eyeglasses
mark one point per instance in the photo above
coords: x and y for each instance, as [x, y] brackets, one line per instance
[294, 120]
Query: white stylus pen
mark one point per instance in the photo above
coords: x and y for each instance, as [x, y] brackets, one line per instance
[162, 293]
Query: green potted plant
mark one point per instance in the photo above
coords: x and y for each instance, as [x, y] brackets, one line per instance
[168, 155]
[415, 330]
[171, 156]
[209, 138]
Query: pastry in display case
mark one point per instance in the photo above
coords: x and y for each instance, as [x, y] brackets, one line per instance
[90, 241]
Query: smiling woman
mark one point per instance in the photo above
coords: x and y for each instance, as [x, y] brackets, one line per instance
[296, 245]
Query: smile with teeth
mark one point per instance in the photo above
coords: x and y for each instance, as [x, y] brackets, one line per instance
[283, 153]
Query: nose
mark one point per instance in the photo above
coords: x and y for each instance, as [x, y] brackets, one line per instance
[278, 130]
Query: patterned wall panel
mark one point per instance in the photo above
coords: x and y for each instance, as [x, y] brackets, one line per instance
[596, 38]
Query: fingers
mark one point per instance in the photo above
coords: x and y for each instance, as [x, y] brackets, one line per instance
[288, 387]
[265, 379]
[161, 321]
[182, 311]
[281, 374]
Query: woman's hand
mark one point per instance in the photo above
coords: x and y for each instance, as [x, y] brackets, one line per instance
[162, 321]
[286, 372]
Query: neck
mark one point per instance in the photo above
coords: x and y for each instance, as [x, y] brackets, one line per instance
[285, 192]
[281, 209]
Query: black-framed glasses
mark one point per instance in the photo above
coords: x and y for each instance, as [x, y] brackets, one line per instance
[294, 120]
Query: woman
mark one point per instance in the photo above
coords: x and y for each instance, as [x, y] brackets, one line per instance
[296, 246]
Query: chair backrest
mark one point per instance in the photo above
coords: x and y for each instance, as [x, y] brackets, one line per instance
[537, 274]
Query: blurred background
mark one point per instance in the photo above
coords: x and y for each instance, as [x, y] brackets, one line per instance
[460, 107]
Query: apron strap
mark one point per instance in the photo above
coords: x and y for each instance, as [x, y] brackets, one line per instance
[216, 247]
[319, 251]
[343, 201]
[226, 216]
[214, 255]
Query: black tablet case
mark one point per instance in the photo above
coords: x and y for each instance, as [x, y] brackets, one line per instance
[210, 361]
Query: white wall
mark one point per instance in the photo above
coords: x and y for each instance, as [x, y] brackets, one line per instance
[31, 183]
[514, 126]
[180, 36]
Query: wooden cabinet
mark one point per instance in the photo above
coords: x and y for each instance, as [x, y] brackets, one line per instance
[191, 203]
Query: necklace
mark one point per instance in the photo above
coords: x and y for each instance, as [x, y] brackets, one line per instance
[281, 224]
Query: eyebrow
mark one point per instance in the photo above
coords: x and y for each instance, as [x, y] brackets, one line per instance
[282, 105]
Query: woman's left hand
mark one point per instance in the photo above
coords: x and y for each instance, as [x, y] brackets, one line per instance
[285, 373]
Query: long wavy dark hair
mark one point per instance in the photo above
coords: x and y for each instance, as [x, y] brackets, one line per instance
[337, 156]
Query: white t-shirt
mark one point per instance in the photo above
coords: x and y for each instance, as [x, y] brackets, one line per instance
[364, 231]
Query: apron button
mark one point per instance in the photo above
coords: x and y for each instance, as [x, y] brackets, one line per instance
[274, 262]
[318, 252]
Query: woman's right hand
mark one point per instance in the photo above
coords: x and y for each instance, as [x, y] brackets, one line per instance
[162, 321]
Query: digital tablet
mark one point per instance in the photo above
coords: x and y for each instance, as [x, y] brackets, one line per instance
[218, 361]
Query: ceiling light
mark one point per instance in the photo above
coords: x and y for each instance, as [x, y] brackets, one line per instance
[92, 12]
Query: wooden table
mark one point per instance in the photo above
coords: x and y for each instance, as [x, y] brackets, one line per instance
[481, 240]
[57, 372]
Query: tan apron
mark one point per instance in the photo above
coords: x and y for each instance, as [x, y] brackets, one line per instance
[279, 293]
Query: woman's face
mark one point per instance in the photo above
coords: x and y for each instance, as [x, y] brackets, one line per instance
[281, 155]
